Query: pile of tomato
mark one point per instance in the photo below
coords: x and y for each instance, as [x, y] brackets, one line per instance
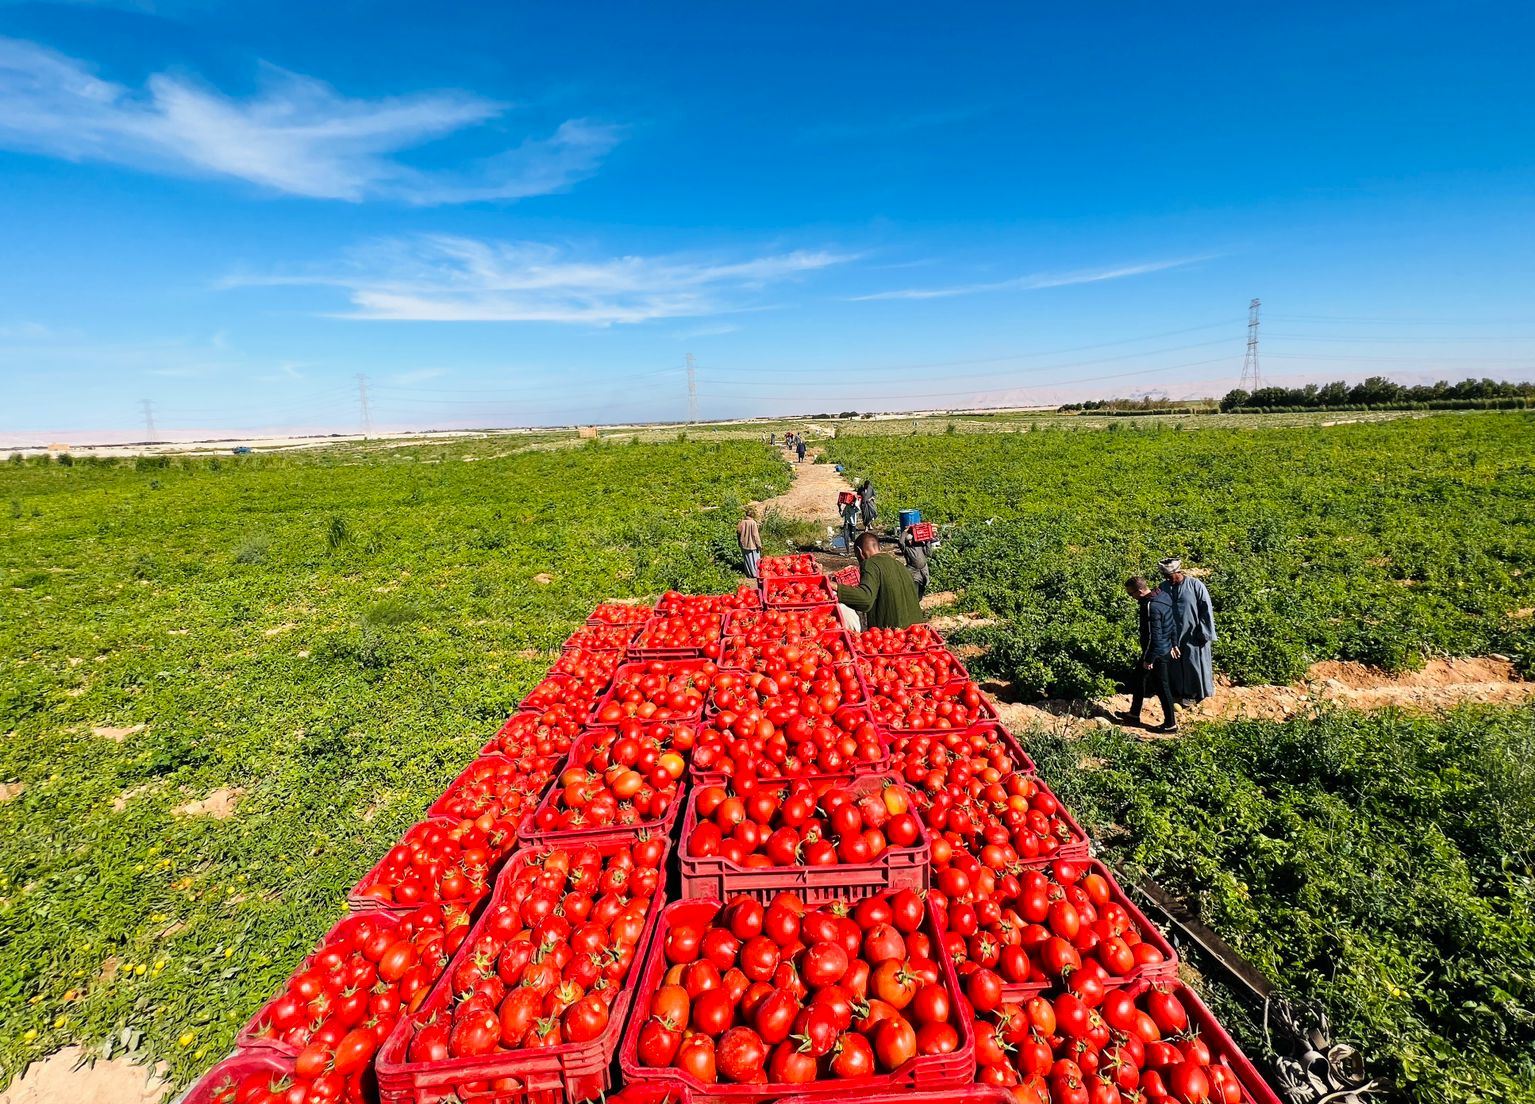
[498, 787]
[806, 689]
[890, 675]
[799, 563]
[787, 994]
[1125, 1045]
[620, 613]
[1022, 964]
[625, 776]
[744, 596]
[440, 860]
[547, 960]
[802, 823]
[797, 590]
[539, 733]
[600, 638]
[335, 1012]
[658, 690]
[755, 743]
[1056, 925]
[957, 705]
[589, 668]
[577, 690]
[915, 638]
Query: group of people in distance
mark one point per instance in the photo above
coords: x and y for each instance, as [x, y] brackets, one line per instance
[1177, 628]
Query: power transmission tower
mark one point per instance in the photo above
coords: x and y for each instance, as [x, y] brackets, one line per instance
[148, 406]
[692, 390]
[362, 402]
[1250, 379]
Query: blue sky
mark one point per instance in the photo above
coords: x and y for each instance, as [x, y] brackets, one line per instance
[529, 213]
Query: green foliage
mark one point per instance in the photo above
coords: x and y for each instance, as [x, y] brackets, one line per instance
[1378, 542]
[1381, 864]
[340, 684]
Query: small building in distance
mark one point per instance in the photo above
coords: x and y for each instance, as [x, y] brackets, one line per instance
[586, 432]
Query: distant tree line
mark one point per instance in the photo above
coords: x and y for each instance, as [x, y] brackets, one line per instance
[1145, 405]
[1379, 392]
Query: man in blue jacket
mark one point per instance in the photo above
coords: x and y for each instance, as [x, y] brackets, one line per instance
[1159, 652]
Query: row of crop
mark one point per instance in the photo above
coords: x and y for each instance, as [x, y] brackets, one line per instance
[872, 892]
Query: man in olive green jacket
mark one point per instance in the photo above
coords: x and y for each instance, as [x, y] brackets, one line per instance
[885, 594]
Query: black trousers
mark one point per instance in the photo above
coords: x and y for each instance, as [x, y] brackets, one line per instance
[1160, 681]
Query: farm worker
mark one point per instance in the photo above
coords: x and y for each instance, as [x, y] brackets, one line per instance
[866, 504]
[1158, 655]
[850, 523]
[772, 438]
[749, 537]
[915, 555]
[1194, 673]
[799, 448]
[885, 594]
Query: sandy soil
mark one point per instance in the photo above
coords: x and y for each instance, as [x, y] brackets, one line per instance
[220, 804]
[813, 496]
[1440, 685]
[56, 1081]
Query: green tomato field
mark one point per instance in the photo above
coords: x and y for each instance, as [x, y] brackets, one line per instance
[1377, 542]
[325, 639]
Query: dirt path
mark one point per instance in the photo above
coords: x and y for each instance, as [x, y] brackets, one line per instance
[813, 495]
[1440, 685]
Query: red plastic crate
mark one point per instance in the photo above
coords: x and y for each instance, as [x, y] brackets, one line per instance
[521, 727]
[669, 666]
[749, 622]
[740, 653]
[775, 591]
[358, 903]
[858, 697]
[601, 662]
[619, 613]
[1149, 932]
[600, 638]
[986, 714]
[251, 1036]
[897, 868]
[745, 596]
[571, 1071]
[1223, 1048]
[561, 690]
[956, 670]
[529, 836]
[924, 1072]
[702, 777]
[929, 636]
[851, 575]
[639, 648]
[923, 532]
[800, 563]
[211, 1088]
[473, 773]
[1022, 764]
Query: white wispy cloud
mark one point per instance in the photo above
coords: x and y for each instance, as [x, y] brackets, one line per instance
[454, 279]
[715, 329]
[1033, 282]
[296, 136]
